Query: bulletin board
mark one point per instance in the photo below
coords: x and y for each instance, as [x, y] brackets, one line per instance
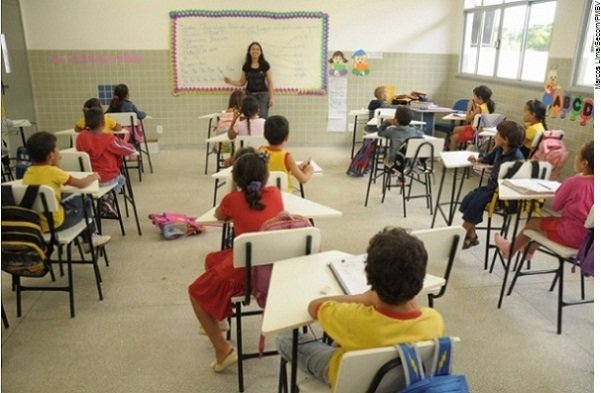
[208, 45]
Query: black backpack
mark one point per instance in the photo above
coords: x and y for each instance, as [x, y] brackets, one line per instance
[24, 251]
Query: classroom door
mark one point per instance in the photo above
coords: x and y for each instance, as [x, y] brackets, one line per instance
[17, 93]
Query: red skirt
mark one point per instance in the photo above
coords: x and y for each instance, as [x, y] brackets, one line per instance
[218, 284]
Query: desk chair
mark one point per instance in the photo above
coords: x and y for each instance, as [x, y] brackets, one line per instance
[370, 370]
[526, 171]
[442, 245]
[80, 161]
[263, 248]
[7, 173]
[213, 117]
[419, 161]
[382, 114]
[45, 203]
[459, 106]
[485, 127]
[563, 254]
[130, 121]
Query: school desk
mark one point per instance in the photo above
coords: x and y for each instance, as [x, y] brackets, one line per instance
[213, 117]
[293, 204]
[287, 299]
[21, 125]
[225, 174]
[454, 160]
[357, 114]
[240, 140]
[428, 115]
[90, 189]
[509, 194]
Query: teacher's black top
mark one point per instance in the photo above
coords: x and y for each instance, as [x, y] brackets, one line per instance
[256, 78]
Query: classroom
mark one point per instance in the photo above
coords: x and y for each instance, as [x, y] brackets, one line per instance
[143, 336]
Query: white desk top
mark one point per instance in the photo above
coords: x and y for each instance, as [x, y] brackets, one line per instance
[359, 112]
[437, 109]
[91, 189]
[288, 298]
[456, 159]
[454, 116]
[292, 203]
[69, 131]
[252, 139]
[225, 173]
[18, 123]
[509, 194]
[374, 121]
[209, 115]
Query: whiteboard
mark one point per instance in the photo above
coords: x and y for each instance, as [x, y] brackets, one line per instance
[208, 45]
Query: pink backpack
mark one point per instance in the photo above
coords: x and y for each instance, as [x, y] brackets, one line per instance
[262, 274]
[551, 149]
[176, 225]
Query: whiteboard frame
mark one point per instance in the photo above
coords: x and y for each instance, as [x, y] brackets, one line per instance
[319, 89]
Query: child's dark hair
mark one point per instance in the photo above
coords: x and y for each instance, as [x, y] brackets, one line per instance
[538, 109]
[512, 131]
[236, 99]
[250, 175]
[249, 108]
[92, 103]
[39, 145]
[485, 93]
[119, 95]
[587, 153]
[276, 129]
[396, 265]
[94, 118]
[403, 115]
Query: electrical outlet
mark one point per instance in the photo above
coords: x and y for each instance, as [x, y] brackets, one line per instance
[159, 130]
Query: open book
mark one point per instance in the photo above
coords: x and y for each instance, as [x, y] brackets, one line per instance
[532, 186]
[350, 274]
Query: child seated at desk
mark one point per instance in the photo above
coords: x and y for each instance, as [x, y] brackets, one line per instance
[110, 124]
[106, 152]
[249, 206]
[45, 156]
[398, 130]
[481, 103]
[574, 198]
[122, 103]
[534, 119]
[508, 141]
[226, 118]
[381, 101]
[276, 132]
[387, 314]
[250, 123]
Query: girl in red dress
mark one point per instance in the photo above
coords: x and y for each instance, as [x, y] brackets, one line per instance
[248, 206]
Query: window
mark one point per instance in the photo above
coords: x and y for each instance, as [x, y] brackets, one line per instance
[507, 38]
[586, 58]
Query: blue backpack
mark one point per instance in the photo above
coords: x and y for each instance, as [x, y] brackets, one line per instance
[361, 163]
[439, 378]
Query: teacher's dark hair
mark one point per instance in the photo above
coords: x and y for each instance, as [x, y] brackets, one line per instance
[262, 61]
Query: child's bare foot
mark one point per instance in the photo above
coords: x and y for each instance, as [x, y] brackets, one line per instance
[503, 245]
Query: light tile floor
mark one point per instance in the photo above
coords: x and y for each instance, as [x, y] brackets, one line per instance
[143, 336]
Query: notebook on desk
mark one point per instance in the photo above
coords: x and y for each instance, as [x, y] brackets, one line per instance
[350, 274]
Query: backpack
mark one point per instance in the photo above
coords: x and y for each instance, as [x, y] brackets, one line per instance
[23, 162]
[262, 274]
[361, 163]
[176, 225]
[552, 149]
[24, 251]
[586, 254]
[439, 378]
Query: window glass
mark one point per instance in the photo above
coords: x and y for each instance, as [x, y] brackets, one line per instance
[584, 72]
[538, 40]
[511, 42]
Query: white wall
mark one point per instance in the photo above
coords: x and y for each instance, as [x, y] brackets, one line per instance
[569, 16]
[409, 26]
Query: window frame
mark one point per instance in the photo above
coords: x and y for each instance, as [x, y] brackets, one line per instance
[500, 7]
[586, 22]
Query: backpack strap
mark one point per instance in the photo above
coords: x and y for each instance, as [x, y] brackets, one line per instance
[411, 363]
[535, 169]
[441, 364]
[514, 169]
[29, 198]
[8, 198]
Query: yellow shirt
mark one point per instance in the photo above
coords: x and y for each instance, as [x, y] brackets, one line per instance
[357, 326]
[53, 176]
[277, 161]
[109, 124]
[531, 131]
[484, 108]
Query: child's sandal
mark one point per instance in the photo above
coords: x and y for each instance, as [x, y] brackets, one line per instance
[470, 242]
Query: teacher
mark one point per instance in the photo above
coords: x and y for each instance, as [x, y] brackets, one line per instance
[256, 75]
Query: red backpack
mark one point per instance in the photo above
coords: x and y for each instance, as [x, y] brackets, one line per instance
[551, 149]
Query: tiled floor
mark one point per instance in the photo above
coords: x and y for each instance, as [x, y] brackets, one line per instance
[143, 336]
